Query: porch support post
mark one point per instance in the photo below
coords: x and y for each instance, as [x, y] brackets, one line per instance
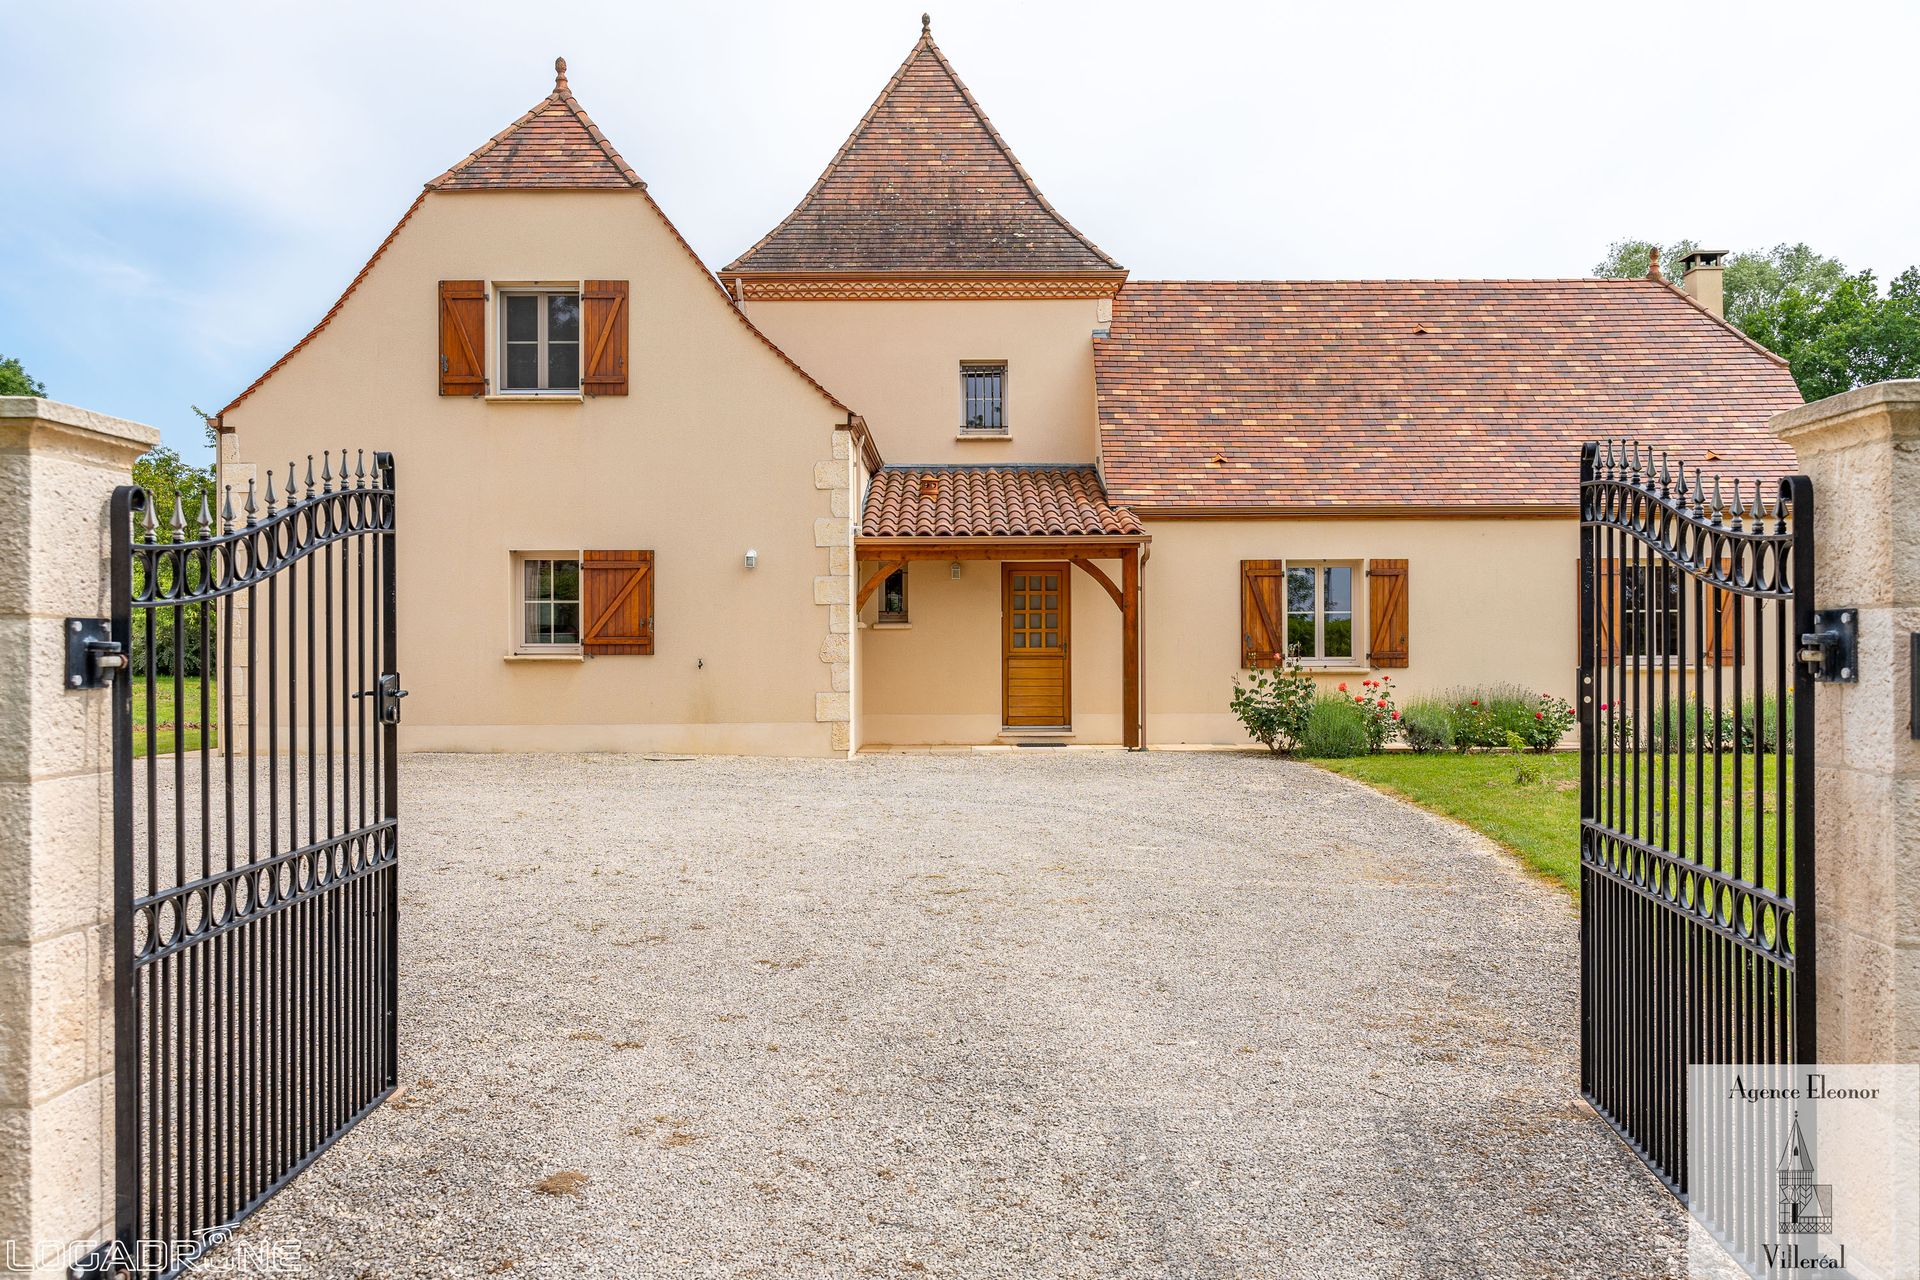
[1130, 647]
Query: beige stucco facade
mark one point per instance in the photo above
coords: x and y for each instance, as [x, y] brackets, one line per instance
[721, 446]
[898, 363]
[937, 680]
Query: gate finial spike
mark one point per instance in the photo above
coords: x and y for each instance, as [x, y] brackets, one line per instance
[179, 521]
[1666, 475]
[269, 491]
[226, 510]
[1718, 505]
[345, 482]
[149, 523]
[360, 468]
[1737, 505]
[326, 470]
[250, 508]
[204, 522]
[1759, 512]
[309, 475]
[292, 484]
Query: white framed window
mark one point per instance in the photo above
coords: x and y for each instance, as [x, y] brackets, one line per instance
[893, 598]
[548, 603]
[1320, 611]
[983, 397]
[539, 339]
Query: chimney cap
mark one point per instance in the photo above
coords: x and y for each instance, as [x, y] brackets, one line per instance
[1702, 258]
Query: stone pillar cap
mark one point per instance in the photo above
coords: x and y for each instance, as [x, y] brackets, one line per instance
[1898, 401]
[137, 435]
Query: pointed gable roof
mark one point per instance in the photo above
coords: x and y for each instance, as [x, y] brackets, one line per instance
[554, 147]
[924, 184]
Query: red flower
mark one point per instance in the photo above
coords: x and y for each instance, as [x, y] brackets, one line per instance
[1343, 686]
[1276, 657]
[1603, 706]
[1383, 703]
[1539, 715]
[1396, 715]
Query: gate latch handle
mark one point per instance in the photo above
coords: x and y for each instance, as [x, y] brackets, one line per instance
[1828, 651]
[386, 695]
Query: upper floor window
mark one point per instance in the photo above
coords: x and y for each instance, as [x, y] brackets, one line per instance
[540, 340]
[983, 397]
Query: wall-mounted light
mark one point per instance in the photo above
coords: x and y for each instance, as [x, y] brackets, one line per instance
[953, 571]
[753, 557]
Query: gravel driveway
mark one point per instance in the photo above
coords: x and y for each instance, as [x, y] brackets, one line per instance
[1026, 1014]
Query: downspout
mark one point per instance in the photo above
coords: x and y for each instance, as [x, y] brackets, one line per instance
[1140, 621]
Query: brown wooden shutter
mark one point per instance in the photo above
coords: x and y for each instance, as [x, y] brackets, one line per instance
[1606, 612]
[1728, 606]
[463, 337]
[1387, 613]
[616, 601]
[603, 313]
[1263, 612]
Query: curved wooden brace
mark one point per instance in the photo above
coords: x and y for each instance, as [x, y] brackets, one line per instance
[872, 584]
[1094, 572]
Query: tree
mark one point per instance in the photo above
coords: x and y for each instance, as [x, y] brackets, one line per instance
[1630, 259]
[1834, 328]
[16, 381]
[168, 480]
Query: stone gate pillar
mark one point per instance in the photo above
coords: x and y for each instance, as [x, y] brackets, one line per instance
[58, 468]
[1862, 451]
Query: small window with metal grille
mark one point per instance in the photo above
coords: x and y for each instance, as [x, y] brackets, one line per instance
[893, 598]
[983, 397]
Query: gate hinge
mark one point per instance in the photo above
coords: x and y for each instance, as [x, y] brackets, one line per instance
[92, 653]
[1828, 651]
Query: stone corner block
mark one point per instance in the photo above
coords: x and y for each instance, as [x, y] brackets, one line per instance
[830, 475]
[832, 588]
[832, 707]
[831, 531]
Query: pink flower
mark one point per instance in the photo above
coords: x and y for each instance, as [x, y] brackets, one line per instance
[1276, 657]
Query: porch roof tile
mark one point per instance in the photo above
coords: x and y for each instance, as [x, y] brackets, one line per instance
[992, 501]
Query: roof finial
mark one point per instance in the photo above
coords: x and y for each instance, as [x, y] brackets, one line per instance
[1653, 257]
[926, 24]
[559, 73]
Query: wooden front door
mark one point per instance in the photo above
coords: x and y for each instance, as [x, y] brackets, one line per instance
[1033, 643]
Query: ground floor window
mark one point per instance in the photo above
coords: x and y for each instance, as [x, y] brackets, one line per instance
[1319, 611]
[893, 597]
[549, 603]
[1650, 611]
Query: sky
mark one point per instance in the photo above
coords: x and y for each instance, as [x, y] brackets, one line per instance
[190, 185]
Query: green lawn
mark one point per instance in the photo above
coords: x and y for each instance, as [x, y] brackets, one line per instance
[171, 722]
[1539, 819]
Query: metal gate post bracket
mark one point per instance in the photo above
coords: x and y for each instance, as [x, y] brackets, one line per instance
[1828, 651]
[92, 653]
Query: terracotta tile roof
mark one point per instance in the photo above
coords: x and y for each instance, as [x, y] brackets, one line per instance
[1411, 393]
[555, 146]
[924, 184]
[987, 502]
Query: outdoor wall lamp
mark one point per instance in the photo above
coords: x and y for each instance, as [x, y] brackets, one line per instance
[953, 571]
[753, 557]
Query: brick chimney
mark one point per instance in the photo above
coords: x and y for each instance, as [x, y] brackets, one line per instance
[1702, 279]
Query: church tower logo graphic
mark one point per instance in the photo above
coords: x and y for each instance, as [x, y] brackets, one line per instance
[1806, 1206]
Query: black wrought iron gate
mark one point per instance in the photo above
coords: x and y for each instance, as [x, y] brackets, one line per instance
[1698, 645]
[255, 846]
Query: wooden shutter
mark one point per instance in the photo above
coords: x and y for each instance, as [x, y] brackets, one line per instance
[1722, 649]
[603, 315]
[1606, 613]
[616, 601]
[1263, 612]
[1387, 613]
[463, 337]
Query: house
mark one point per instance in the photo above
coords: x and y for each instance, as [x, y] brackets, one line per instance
[925, 465]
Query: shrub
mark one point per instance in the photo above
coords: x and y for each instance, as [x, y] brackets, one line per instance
[1374, 699]
[1336, 728]
[1552, 717]
[1274, 704]
[1526, 772]
[1427, 725]
[1485, 716]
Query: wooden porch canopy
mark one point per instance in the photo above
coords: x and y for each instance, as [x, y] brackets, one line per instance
[1131, 550]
